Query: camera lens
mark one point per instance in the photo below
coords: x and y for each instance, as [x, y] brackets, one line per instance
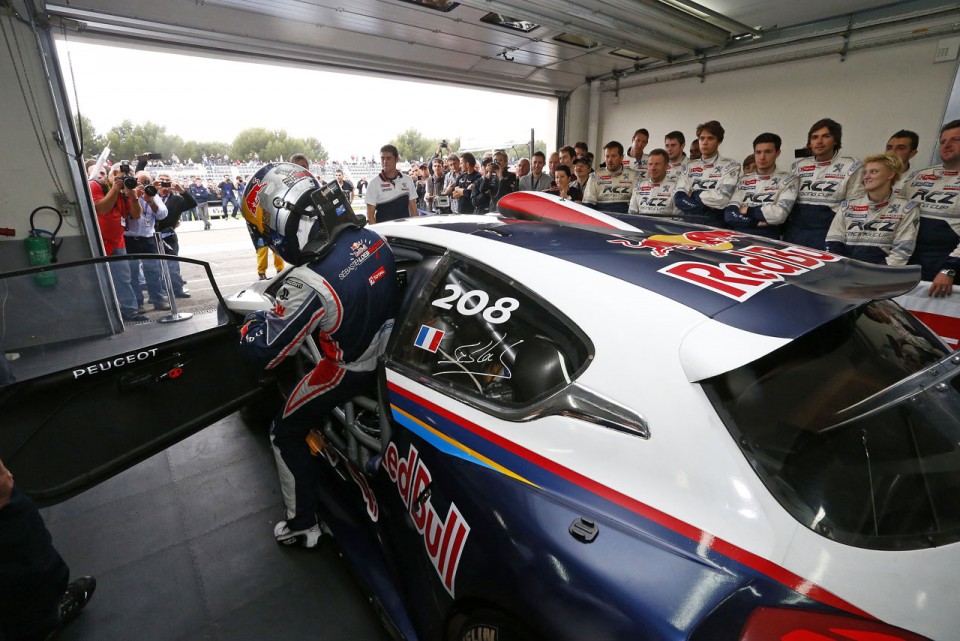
[129, 182]
[165, 183]
[150, 190]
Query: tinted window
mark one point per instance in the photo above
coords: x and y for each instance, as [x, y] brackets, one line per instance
[849, 447]
[483, 335]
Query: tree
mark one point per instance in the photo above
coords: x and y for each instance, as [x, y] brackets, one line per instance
[412, 145]
[272, 145]
[127, 140]
[91, 143]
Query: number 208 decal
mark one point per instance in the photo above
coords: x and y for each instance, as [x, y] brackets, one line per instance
[477, 301]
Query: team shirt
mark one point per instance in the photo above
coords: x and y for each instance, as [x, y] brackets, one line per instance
[610, 191]
[674, 169]
[769, 199]
[880, 233]
[391, 197]
[938, 240]
[652, 198]
[637, 165]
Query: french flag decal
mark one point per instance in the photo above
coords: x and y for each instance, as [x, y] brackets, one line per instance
[429, 338]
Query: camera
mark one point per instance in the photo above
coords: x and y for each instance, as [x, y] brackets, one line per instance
[148, 190]
[130, 182]
[124, 167]
[166, 183]
[445, 143]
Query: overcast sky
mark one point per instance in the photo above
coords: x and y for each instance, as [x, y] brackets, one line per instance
[218, 98]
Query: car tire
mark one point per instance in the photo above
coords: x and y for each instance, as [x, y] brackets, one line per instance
[489, 625]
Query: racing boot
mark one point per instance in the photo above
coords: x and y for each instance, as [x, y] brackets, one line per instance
[307, 538]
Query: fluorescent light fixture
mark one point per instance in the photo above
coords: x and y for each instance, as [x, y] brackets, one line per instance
[500, 20]
[438, 5]
[576, 41]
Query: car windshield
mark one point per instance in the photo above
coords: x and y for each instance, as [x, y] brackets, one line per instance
[855, 429]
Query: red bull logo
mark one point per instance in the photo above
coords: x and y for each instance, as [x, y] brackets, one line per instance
[661, 245]
[252, 202]
[759, 267]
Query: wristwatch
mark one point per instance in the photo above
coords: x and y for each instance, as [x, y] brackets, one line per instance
[952, 273]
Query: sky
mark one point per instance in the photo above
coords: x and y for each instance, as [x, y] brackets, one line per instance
[222, 98]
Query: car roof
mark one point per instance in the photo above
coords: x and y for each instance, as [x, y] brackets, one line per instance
[750, 283]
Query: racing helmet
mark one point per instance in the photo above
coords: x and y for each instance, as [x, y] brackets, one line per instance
[287, 207]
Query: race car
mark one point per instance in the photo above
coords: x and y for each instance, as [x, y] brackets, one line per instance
[604, 427]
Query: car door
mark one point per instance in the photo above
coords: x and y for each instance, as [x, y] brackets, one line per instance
[85, 394]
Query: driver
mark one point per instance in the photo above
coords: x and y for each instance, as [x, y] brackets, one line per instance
[342, 291]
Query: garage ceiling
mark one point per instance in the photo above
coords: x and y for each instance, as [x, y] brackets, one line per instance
[567, 42]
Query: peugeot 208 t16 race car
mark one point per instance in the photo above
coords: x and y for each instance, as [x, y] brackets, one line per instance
[598, 429]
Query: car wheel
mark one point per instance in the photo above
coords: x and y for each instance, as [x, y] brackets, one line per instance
[489, 625]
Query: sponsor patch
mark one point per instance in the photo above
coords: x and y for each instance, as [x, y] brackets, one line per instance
[377, 275]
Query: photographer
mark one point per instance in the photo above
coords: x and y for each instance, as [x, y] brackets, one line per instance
[139, 238]
[116, 202]
[507, 180]
[202, 195]
[434, 185]
[177, 201]
[469, 186]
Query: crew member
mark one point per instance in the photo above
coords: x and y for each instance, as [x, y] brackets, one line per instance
[705, 185]
[826, 180]
[610, 188]
[764, 198]
[653, 195]
[392, 194]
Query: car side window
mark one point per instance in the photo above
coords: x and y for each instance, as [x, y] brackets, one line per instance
[481, 334]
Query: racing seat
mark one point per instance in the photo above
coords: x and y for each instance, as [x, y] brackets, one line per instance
[417, 274]
[538, 368]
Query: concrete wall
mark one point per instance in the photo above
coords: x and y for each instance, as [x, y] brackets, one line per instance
[872, 94]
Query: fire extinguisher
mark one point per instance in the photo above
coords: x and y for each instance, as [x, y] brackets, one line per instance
[42, 247]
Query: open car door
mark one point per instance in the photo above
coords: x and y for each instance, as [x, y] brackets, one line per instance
[85, 394]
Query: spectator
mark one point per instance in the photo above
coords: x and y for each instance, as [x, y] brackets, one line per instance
[903, 145]
[345, 185]
[938, 239]
[553, 163]
[38, 598]
[879, 227]
[695, 150]
[115, 203]
[484, 190]
[361, 185]
[535, 180]
[507, 181]
[228, 194]
[393, 195]
[177, 201]
[299, 159]
[582, 171]
[450, 183]
[610, 189]
[826, 180]
[581, 149]
[762, 200]
[469, 186]
[653, 195]
[673, 144]
[749, 165]
[434, 185]
[705, 185]
[140, 239]
[566, 187]
[523, 168]
[567, 156]
[202, 195]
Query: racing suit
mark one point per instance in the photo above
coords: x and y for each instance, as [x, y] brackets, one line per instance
[652, 199]
[882, 233]
[704, 189]
[637, 165]
[823, 186]
[610, 191]
[938, 239]
[346, 301]
[674, 168]
[769, 200]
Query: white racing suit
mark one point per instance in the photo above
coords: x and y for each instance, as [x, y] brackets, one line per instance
[882, 233]
[704, 189]
[938, 239]
[769, 199]
[610, 191]
[823, 186]
[652, 199]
